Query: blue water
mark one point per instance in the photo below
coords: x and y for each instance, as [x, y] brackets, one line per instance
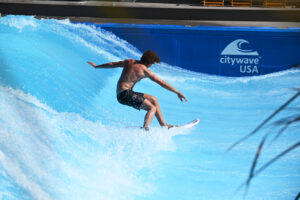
[62, 132]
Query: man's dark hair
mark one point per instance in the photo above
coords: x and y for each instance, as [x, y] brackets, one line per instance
[150, 57]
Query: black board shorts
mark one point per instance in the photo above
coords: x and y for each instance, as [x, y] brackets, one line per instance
[131, 98]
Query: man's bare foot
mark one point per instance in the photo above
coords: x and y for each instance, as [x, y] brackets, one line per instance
[145, 128]
[171, 126]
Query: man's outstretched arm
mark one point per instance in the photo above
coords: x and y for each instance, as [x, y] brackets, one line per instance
[164, 84]
[109, 65]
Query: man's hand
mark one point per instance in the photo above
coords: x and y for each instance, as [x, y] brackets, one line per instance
[181, 97]
[93, 64]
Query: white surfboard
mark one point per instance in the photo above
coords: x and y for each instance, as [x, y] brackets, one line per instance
[190, 124]
[187, 125]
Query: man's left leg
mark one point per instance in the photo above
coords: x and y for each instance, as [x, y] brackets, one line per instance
[158, 113]
[151, 110]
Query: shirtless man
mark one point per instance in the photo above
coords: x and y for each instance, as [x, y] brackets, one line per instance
[133, 72]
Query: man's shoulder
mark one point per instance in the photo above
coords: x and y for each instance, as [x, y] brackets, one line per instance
[135, 63]
[129, 60]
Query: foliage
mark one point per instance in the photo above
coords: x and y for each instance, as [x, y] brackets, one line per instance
[283, 124]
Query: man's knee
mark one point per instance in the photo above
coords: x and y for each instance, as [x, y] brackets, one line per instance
[154, 100]
[152, 108]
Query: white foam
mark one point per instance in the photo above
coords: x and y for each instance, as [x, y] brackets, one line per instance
[15, 171]
[90, 36]
[102, 36]
[54, 155]
[19, 22]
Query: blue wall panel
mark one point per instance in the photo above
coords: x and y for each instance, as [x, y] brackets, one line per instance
[249, 51]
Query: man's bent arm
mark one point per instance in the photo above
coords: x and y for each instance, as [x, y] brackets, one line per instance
[109, 65]
[164, 84]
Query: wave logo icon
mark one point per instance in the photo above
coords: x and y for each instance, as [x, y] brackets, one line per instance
[239, 48]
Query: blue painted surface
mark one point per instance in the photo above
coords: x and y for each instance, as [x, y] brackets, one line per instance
[199, 48]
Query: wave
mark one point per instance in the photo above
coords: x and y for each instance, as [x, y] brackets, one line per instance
[42, 149]
[62, 130]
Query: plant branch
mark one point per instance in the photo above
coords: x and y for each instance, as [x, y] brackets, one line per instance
[265, 121]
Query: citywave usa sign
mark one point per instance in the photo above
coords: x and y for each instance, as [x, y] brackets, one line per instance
[225, 51]
[239, 55]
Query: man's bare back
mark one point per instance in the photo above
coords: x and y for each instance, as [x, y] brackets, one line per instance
[133, 72]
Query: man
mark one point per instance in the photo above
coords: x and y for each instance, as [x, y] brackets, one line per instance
[133, 72]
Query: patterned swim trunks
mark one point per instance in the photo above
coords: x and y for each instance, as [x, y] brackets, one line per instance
[131, 98]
